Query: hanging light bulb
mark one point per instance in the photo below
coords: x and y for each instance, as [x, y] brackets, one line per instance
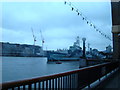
[91, 24]
[83, 18]
[96, 29]
[65, 2]
[77, 10]
[87, 22]
[72, 8]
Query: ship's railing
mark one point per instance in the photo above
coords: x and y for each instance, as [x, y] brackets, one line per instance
[73, 79]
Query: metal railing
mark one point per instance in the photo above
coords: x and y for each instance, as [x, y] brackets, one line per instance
[73, 79]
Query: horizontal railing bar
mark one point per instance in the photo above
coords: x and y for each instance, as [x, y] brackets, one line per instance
[39, 79]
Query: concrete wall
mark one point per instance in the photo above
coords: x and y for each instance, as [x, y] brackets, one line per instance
[116, 29]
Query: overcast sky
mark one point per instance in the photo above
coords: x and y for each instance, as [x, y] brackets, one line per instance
[58, 23]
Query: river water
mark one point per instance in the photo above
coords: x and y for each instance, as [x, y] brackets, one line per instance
[19, 68]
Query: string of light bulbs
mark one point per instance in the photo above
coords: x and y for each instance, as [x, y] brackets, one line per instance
[73, 8]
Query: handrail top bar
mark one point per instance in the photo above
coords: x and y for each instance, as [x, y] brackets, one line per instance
[32, 80]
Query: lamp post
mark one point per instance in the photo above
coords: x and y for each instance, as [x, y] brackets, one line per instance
[82, 62]
[84, 39]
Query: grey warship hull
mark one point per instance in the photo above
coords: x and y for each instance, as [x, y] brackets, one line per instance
[55, 56]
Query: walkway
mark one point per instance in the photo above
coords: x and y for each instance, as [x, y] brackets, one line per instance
[112, 82]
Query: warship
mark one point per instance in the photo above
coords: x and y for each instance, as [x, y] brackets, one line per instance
[74, 53]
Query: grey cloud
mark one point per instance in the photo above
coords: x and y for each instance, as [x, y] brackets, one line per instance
[57, 22]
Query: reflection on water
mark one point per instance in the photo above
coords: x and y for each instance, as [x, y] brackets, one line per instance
[17, 68]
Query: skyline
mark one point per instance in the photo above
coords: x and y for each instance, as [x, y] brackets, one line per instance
[58, 23]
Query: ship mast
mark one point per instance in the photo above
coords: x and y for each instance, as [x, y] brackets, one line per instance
[78, 41]
[88, 47]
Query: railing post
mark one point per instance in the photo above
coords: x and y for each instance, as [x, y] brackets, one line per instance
[39, 85]
[46, 84]
[43, 85]
[61, 82]
[53, 83]
[23, 87]
[70, 82]
[18, 87]
[13, 88]
[34, 86]
[89, 86]
[29, 86]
